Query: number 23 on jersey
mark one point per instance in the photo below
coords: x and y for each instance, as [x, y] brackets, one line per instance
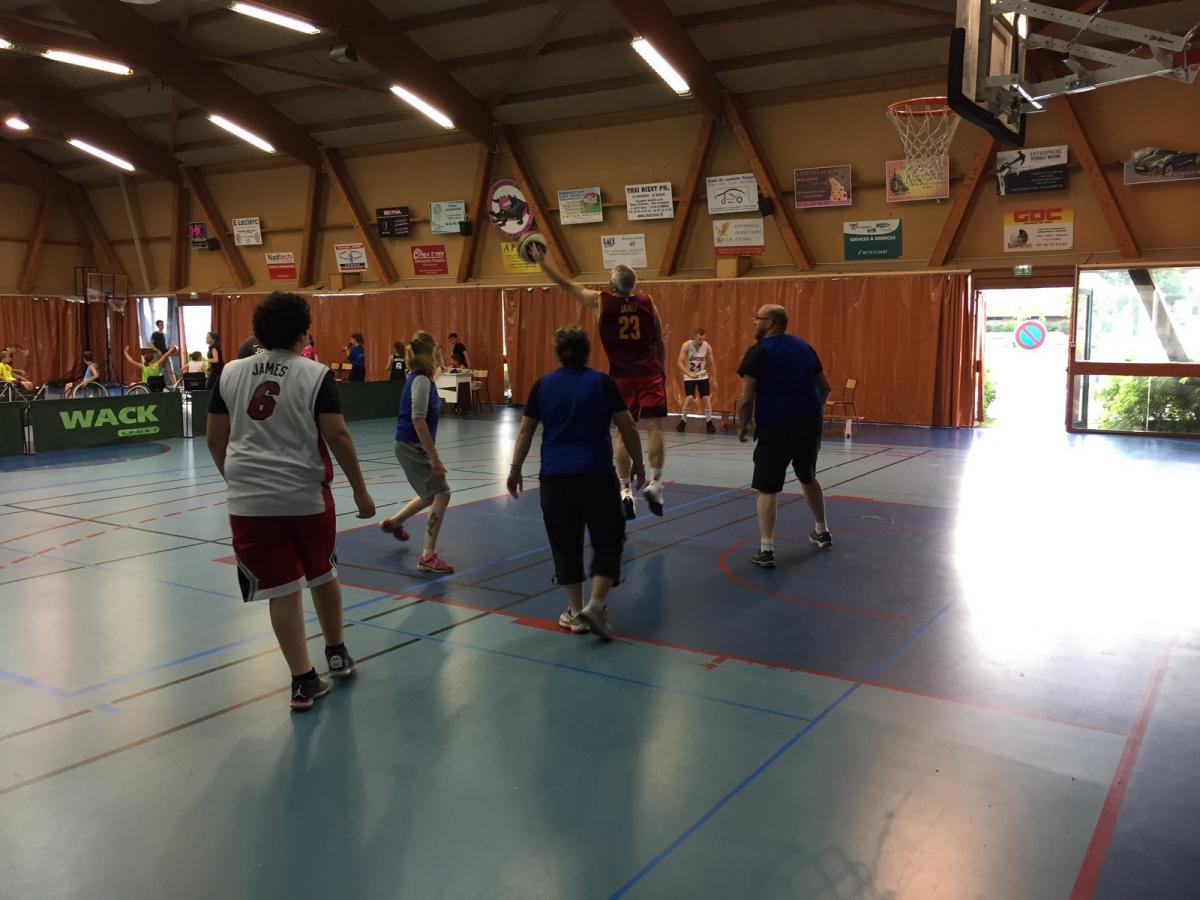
[629, 328]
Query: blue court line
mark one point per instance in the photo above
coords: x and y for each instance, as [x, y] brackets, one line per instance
[624, 679]
[26, 681]
[770, 760]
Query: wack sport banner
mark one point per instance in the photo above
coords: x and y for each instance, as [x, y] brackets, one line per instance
[68, 424]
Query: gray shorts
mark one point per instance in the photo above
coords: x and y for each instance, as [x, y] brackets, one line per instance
[419, 470]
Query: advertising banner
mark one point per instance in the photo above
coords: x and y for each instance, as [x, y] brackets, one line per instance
[430, 259]
[351, 257]
[1151, 164]
[649, 201]
[738, 237]
[624, 249]
[247, 232]
[1049, 228]
[198, 235]
[12, 429]
[393, 221]
[1031, 170]
[580, 206]
[732, 194]
[445, 215]
[281, 266]
[876, 239]
[67, 424]
[512, 261]
[903, 185]
[825, 186]
[508, 209]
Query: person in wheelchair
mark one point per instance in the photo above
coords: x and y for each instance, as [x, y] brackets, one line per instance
[91, 371]
[150, 365]
[16, 381]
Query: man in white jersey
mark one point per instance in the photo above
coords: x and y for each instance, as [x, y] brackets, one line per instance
[696, 363]
[272, 420]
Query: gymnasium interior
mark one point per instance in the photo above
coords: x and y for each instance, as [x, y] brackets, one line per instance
[981, 214]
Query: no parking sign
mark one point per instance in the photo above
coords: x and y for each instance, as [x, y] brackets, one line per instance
[1030, 335]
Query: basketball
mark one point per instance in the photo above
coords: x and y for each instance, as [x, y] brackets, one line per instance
[527, 242]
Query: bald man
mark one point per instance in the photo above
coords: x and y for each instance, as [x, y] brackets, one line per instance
[783, 392]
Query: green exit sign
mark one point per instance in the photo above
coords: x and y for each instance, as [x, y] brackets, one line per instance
[1023, 271]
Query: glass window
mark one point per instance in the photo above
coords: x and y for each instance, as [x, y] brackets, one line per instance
[1137, 403]
[1139, 315]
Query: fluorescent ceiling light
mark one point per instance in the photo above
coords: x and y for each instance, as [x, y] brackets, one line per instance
[5, 45]
[16, 123]
[102, 154]
[418, 104]
[1080, 87]
[655, 60]
[247, 136]
[88, 62]
[275, 18]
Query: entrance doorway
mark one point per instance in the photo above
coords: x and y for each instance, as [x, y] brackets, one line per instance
[1025, 357]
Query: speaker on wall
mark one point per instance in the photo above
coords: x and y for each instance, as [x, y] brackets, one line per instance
[213, 244]
[464, 228]
[766, 206]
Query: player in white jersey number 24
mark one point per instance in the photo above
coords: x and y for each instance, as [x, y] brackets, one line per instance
[696, 363]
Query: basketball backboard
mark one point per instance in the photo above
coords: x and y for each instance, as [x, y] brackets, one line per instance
[989, 84]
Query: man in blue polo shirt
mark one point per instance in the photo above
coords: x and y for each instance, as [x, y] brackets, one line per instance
[783, 391]
[576, 406]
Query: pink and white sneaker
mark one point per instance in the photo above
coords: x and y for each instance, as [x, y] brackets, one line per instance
[434, 563]
[395, 529]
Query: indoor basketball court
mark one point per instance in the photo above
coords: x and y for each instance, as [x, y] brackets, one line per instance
[981, 217]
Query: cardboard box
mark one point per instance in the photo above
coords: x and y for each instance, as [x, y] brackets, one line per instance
[732, 266]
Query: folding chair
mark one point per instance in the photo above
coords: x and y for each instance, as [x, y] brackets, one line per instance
[479, 385]
[843, 408]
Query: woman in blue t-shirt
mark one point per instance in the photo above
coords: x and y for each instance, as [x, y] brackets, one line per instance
[416, 451]
[576, 406]
[357, 357]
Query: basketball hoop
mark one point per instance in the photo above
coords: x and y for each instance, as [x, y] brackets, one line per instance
[116, 304]
[926, 126]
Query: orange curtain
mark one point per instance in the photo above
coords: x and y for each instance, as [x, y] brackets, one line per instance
[384, 318]
[905, 338]
[51, 329]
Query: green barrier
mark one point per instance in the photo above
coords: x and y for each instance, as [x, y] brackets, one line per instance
[12, 429]
[370, 399]
[200, 413]
[68, 424]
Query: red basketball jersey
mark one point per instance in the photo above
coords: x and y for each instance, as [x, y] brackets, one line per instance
[629, 333]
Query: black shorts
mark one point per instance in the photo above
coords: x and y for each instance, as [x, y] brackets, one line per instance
[573, 503]
[795, 443]
[699, 388]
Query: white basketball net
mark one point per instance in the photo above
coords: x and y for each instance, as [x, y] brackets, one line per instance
[926, 126]
[117, 304]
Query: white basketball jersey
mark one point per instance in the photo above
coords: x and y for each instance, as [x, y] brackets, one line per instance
[697, 361]
[277, 463]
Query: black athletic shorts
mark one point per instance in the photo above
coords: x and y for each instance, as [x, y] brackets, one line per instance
[699, 388]
[573, 505]
[793, 442]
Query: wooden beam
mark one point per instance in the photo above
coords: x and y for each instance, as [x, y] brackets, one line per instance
[530, 54]
[1064, 109]
[142, 42]
[479, 219]
[18, 166]
[907, 9]
[311, 236]
[133, 214]
[652, 20]
[767, 185]
[691, 190]
[399, 58]
[180, 244]
[340, 178]
[216, 224]
[523, 175]
[106, 256]
[33, 251]
[964, 200]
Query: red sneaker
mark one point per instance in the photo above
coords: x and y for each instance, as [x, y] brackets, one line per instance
[434, 563]
[397, 531]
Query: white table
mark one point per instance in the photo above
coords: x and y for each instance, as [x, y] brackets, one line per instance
[450, 386]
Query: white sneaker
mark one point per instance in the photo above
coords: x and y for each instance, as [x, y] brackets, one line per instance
[653, 492]
[595, 616]
[572, 623]
[628, 507]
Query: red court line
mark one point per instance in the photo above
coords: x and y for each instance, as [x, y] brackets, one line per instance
[1106, 824]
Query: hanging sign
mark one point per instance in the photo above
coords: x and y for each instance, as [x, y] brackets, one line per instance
[445, 215]
[351, 257]
[903, 185]
[825, 186]
[876, 239]
[738, 237]
[649, 201]
[281, 266]
[1050, 228]
[508, 209]
[198, 235]
[580, 206]
[1152, 164]
[1031, 171]
[430, 259]
[394, 221]
[513, 262]
[624, 250]
[247, 232]
[732, 194]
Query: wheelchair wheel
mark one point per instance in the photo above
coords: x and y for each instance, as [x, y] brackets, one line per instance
[92, 389]
[137, 389]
